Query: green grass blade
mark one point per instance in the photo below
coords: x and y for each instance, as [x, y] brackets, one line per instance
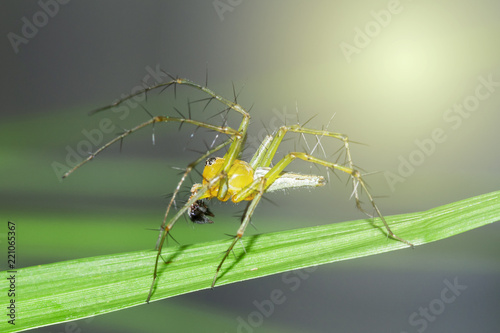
[86, 287]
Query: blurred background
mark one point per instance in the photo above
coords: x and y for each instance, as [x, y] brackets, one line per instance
[417, 82]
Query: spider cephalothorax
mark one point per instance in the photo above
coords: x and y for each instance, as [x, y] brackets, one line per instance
[239, 176]
[228, 177]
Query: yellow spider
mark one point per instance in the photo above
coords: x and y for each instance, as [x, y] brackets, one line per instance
[228, 177]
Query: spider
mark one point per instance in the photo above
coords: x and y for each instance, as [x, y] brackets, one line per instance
[229, 178]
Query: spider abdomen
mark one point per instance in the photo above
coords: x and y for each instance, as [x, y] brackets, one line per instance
[288, 180]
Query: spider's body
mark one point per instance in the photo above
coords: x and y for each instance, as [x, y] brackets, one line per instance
[240, 176]
[228, 177]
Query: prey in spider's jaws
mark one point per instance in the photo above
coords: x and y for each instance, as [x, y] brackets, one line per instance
[199, 211]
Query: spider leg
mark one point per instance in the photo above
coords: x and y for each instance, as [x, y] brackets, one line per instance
[280, 134]
[274, 173]
[258, 190]
[174, 219]
[238, 135]
[222, 129]
[261, 152]
[174, 82]
[188, 169]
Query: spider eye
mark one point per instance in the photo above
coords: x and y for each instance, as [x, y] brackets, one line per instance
[210, 161]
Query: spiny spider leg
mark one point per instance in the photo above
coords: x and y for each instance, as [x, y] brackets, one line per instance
[275, 172]
[237, 144]
[188, 169]
[174, 219]
[279, 135]
[174, 82]
[355, 175]
[238, 136]
[259, 155]
[261, 183]
[224, 129]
